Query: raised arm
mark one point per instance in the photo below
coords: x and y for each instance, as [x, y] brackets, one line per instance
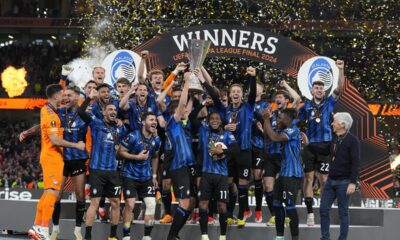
[170, 79]
[339, 89]
[144, 54]
[251, 72]
[210, 89]
[207, 76]
[124, 103]
[269, 133]
[160, 99]
[180, 111]
[292, 92]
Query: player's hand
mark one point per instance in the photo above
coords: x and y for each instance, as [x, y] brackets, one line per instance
[81, 145]
[197, 72]
[260, 126]
[230, 127]
[144, 54]
[66, 70]
[282, 83]
[180, 67]
[304, 138]
[217, 150]
[267, 113]
[351, 188]
[23, 135]
[143, 155]
[251, 71]
[93, 94]
[118, 122]
[155, 183]
[340, 64]
[208, 102]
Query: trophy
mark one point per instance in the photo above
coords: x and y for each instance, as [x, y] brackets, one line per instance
[198, 50]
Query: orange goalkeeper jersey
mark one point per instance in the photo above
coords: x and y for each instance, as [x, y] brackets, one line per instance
[50, 124]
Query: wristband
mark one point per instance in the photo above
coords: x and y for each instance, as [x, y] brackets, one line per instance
[154, 176]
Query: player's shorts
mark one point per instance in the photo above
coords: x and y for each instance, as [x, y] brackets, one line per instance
[286, 190]
[193, 171]
[168, 156]
[183, 183]
[257, 155]
[105, 183]
[243, 164]
[316, 157]
[213, 186]
[52, 174]
[272, 164]
[74, 168]
[136, 189]
[232, 171]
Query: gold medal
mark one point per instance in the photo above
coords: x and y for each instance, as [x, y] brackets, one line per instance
[116, 147]
[318, 120]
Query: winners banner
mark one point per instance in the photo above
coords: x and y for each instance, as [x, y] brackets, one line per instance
[228, 41]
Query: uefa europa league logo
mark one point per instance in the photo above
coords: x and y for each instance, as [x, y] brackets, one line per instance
[198, 50]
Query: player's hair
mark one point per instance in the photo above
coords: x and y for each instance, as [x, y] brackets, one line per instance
[318, 83]
[261, 84]
[108, 104]
[103, 85]
[156, 72]
[290, 113]
[75, 89]
[146, 114]
[236, 85]
[215, 112]
[172, 106]
[94, 68]
[284, 93]
[52, 89]
[176, 89]
[90, 81]
[122, 80]
[223, 93]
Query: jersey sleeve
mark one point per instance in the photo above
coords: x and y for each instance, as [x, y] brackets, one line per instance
[302, 111]
[290, 133]
[131, 105]
[49, 123]
[230, 138]
[331, 100]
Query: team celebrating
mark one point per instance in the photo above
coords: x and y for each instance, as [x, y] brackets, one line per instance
[205, 148]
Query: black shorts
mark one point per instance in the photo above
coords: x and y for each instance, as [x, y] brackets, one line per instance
[213, 186]
[104, 182]
[272, 164]
[183, 183]
[286, 190]
[257, 155]
[136, 189]
[316, 157]
[193, 171]
[168, 156]
[232, 171]
[74, 168]
[243, 164]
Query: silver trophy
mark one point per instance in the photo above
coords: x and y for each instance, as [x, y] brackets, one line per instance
[198, 50]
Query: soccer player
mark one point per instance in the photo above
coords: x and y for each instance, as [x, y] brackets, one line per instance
[144, 103]
[51, 161]
[273, 157]
[74, 160]
[289, 180]
[182, 179]
[98, 74]
[122, 85]
[317, 112]
[257, 141]
[88, 87]
[139, 172]
[104, 98]
[104, 176]
[239, 116]
[214, 144]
